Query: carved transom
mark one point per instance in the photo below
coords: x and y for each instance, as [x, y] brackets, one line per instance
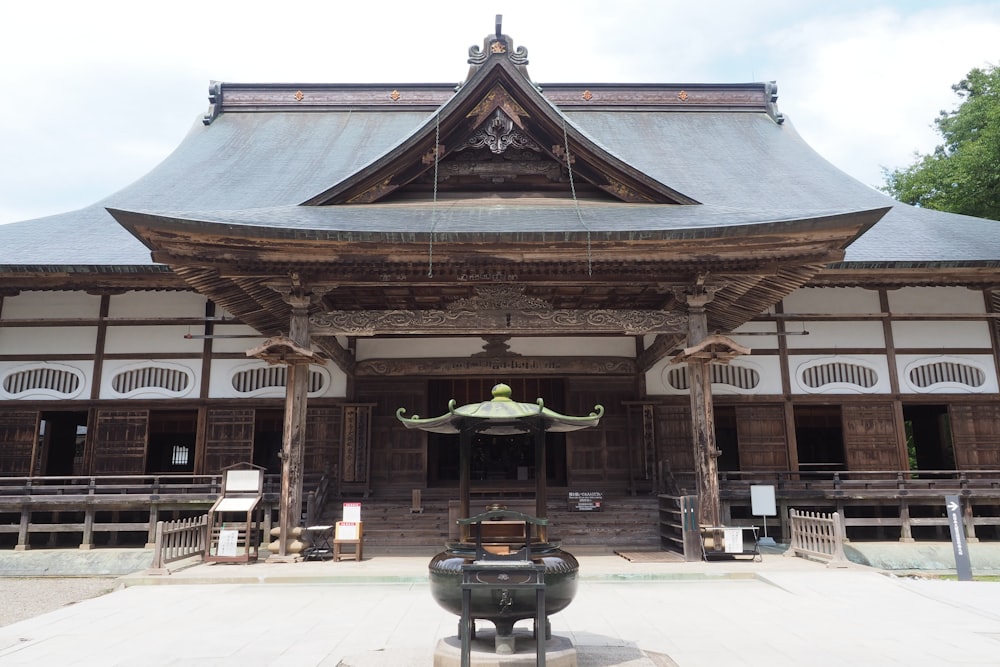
[499, 297]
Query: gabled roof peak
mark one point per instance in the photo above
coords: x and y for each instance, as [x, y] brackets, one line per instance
[498, 45]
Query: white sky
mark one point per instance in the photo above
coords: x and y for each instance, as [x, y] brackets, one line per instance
[95, 93]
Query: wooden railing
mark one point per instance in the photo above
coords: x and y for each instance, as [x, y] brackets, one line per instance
[882, 504]
[119, 504]
[817, 536]
[679, 526]
[888, 483]
[177, 540]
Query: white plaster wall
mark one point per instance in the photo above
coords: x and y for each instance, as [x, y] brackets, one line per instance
[151, 340]
[237, 345]
[769, 368]
[49, 305]
[405, 348]
[936, 300]
[904, 362]
[220, 384]
[87, 367]
[157, 304]
[834, 335]
[832, 300]
[113, 366]
[797, 363]
[756, 342]
[564, 346]
[941, 334]
[48, 340]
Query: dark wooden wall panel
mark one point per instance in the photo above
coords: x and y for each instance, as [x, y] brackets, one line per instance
[398, 454]
[121, 438]
[760, 431]
[323, 439]
[976, 436]
[673, 431]
[601, 454]
[870, 441]
[17, 437]
[228, 438]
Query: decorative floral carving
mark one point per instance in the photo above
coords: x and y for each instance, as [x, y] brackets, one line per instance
[682, 96]
[299, 96]
[498, 134]
[587, 95]
[499, 297]
[395, 95]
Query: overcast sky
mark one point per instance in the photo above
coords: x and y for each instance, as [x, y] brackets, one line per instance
[95, 93]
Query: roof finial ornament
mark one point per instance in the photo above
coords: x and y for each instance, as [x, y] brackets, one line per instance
[498, 44]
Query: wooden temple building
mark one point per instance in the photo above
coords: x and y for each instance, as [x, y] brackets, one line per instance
[313, 257]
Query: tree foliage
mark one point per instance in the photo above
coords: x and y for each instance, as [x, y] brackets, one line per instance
[962, 175]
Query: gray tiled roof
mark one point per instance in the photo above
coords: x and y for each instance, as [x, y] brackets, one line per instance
[254, 168]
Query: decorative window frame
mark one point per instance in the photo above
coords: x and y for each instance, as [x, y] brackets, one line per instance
[42, 392]
[147, 391]
[947, 387]
[326, 380]
[840, 387]
[717, 387]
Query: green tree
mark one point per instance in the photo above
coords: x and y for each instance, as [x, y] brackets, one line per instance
[962, 175]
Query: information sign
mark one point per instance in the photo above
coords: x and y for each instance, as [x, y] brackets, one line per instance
[586, 501]
[228, 539]
[962, 561]
[352, 512]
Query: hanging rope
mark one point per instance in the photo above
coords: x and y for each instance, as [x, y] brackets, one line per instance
[434, 200]
[576, 202]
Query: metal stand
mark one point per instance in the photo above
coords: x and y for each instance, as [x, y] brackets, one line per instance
[502, 576]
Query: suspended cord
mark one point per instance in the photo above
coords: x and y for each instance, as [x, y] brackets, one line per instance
[576, 202]
[434, 200]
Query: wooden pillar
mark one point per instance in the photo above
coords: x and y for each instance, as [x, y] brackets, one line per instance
[87, 539]
[22, 530]
[154, 517]
[293, 426]
[706, 452]
[541, 482]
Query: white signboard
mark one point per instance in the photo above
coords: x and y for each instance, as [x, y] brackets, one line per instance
[352, 512]
[762, 500]
[734, 540]
[228, 539]
[346, 530]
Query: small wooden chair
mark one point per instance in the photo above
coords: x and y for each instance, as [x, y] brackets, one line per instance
[350, 533]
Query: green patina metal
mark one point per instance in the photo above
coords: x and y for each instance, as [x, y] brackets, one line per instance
[501, 416]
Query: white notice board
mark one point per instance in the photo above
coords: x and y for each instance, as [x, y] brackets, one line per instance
[734, 540]
[346, 530]
[762, 500]
[352, 512]
[228, 539]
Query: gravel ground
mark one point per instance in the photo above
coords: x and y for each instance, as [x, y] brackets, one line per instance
[27, 597]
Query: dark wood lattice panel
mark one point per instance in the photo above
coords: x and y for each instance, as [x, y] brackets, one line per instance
[763, 443]
[17, 436]
[976, 436]
[870, 441]
[121, 442]
[228, 438]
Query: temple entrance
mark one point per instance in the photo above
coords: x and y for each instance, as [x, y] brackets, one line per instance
[507, 460]
[928, 437]
[172, 437]
[62, 436]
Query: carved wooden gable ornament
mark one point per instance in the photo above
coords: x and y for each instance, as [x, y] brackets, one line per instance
[498, 132]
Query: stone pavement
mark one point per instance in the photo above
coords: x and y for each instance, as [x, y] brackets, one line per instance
[379, 612]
